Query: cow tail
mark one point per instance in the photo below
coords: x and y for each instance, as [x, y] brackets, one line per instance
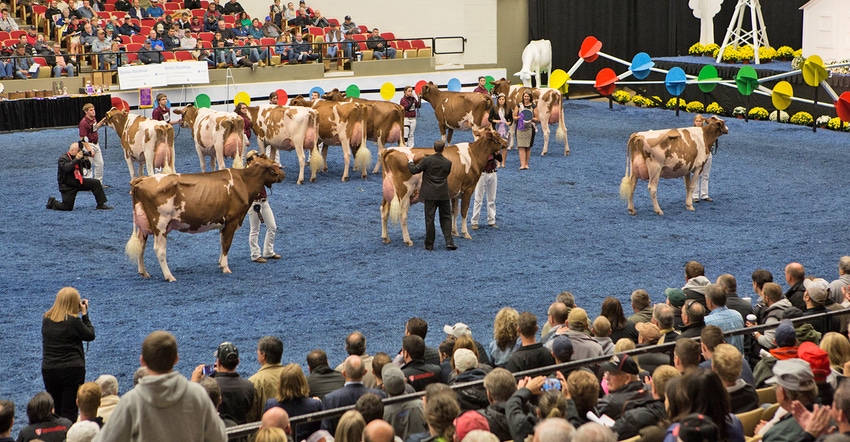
[239, 158]
[168, 166]
[625, 183]
[363, 158]
[134, 249]
[317, 161]
[561, 133]
[395, 210]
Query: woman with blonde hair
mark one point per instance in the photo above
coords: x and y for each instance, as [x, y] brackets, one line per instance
[271, 434]
[504, 336]
[350, 427]
[293, 396]
[837, 347]
[63, 363]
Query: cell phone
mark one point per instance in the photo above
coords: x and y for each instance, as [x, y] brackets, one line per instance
[208, 370]
[551, 384]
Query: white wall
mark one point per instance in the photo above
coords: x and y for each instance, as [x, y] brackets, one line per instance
[473, 19]
[826, 30]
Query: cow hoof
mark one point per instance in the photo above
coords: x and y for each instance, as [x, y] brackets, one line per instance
[385, 240]
[299, 182]
[691, 208]
[566, 153]
[660, 212]
[145, 275]
[325, 170]
[171, 279]
[632, 212]
[365, 177]
[543, 154]
[344, 179]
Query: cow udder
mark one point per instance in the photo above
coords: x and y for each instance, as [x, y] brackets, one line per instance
[232, 144]
[356, 134]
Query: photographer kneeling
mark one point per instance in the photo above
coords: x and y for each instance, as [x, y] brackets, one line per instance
[71, 181]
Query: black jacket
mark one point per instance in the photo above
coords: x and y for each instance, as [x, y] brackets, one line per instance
[65, 174]
[323, 380]
[612, 403]
[435, 172]
[647, 413]
[521, 415]
[528, 357]
[237, 396]
[795, 295]
[498, 421]
[474, 398]
[420, 374]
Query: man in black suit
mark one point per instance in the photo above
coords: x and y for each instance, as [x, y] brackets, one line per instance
[435, 193]
[353, 371]
[71, 181]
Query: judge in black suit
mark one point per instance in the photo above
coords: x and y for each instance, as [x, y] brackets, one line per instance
[435, 193]
[353, 371]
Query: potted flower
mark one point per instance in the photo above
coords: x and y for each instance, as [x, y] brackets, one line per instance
[746, 53]
[696, 49]
[785, 53]
[758, 113]
[715, 108]
[802, 118]
[695, 107]
[731, 55]
[739, 112]
[671, 103]
[837, 124]
[710, 50]
[822, 121]
[797, 62]
[780, 116]
[766, 54]
[654, 101]
[621, 96]
[639, 100]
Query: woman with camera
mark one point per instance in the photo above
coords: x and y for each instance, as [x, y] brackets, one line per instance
[63, 364]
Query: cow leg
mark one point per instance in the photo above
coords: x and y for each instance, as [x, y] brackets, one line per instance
[385, 214]
[544, 126]
[226, 239]
[159, 248]
[449, 132]
[455, 210]
[691, 181]
[201, 157]
[512, 136]
[346, 159]
[143, 241]
[464, 211]
[299, 151]
[405, 208]
[653, 190]
[141, 170]
[632, 185]
[380, 151]
[130, 165]
[325, 157]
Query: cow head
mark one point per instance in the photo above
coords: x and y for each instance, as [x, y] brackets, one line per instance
[189, 113]
[334, 95]
[717, 125]
[429, 90]
[300, 101]
[270, 170]
[492, 138]
[113, 114]
[501, 86]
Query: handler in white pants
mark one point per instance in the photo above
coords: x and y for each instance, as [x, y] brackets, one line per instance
[96, 170]
[701, 189]
[487, 184]
[410, 103]
[261, 212]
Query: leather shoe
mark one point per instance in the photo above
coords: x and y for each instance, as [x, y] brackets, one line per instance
[451, 247]
[474, 227]
[103, 207]
[429, 248]
[493, 226]
[708, 199]
[50, 202]
[275, 256]
[261, 260]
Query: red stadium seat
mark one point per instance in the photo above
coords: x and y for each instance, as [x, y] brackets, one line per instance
[206, 44]
[4, 35]
[138, 38]
[358, 37]
[333, 21]
[229, 19]
[364, 29]
[205, 4]
[403, 45]
[198, 13]
[388, 36]
[172, 6]
[134, 47]
[132, 57]
[206, 36]
[168, 56]
[418, 44]
[105, 15]
[110, 7]
[183, 56]
[149, 22]
[18, 33]
[10, 43]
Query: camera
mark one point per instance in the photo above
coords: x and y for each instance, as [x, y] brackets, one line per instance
[551, 384]
[208, 370]
[86, 152]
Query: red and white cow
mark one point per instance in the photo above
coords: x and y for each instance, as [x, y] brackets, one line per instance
[194, 203]
[400, 188]
[668, 153]
[341, 124]
[146, 142]
[550, 109]
[536, 57]
[384, 121]
[457, 110]
[217, 135]
[287, 128]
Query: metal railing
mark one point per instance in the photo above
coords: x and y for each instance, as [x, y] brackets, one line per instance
[241, 432]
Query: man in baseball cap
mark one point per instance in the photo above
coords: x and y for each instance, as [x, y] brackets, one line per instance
[237, 394]
[794, 381]
[816, 297]
[621, 372]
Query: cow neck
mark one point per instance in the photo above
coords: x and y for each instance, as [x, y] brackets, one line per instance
[710, 134]
[117, 121]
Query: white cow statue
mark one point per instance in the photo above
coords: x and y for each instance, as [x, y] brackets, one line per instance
[536, 57]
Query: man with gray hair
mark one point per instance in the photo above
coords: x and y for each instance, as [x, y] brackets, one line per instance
[554, 429]
[693, 316]
[353, 371]
[642, 306]
[662, 317]
[355, 344]
[722, 316]
[842, 281]
[565, 298]
[594, 432]
[267, 378]
[109, 395]
[794, 381]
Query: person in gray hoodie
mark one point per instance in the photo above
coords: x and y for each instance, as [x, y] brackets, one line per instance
[165, 405]
[695, 282]
[774, 311]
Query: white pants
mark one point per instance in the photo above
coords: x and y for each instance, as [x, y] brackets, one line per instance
[254, 234]
[701, 189]
[486, 184]
[410, 128]
[96, 170]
